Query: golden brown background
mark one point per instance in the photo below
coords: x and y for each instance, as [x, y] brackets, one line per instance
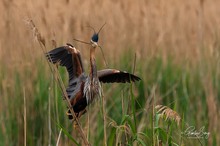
[188, 31]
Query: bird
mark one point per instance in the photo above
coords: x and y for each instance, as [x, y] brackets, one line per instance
[82, 88]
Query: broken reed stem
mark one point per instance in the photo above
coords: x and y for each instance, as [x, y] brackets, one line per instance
[58, 139]
[106, 64]
[55, 72]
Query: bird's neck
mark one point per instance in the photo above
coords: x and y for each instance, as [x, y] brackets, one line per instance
[93, 69]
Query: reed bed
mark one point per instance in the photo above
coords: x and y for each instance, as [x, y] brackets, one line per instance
[176, 45]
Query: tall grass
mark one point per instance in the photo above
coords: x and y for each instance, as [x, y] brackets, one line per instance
[178, 88]
[177, 47]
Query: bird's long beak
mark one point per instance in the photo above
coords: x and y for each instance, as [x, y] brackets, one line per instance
[94, 44]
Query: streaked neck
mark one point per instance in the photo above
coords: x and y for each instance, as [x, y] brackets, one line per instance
[93, 69]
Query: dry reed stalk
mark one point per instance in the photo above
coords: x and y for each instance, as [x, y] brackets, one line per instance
[135, 60]
[104, 118]
[168, 113]
[25, 120]
[153, 118]
[58, 139]
[88, 123]
[54, 44]
[49, 119]
[147, 106]
[201, 23]
[55, 72]
[211, 94]
[119, 131]
[123, 112]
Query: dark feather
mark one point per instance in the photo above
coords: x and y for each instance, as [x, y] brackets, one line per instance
[63, 55]
[116, 76]
[71, 59]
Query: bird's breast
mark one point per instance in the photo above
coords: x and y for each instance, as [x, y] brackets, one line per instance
[92, 89]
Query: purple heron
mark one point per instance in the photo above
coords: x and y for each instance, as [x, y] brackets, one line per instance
[82, 88]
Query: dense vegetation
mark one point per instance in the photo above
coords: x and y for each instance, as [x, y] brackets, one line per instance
[175, 44]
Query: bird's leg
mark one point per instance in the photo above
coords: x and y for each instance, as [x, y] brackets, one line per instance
[78, 115]
[68, 113]
[75, 124]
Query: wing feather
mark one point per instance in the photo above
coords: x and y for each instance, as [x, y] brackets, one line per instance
[71, 59]
[116, 76]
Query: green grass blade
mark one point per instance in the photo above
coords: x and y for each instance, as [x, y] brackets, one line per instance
[67, 134]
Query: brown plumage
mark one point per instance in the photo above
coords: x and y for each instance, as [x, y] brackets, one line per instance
[82, 88]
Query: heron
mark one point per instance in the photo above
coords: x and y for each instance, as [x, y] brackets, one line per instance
[82, 88]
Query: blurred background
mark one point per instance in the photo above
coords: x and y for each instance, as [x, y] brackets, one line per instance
[176, 45]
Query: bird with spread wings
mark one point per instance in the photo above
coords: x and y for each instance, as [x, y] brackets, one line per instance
[83, 88]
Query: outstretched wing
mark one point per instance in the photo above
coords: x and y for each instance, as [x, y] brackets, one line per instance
[113, 75]
[69, 57]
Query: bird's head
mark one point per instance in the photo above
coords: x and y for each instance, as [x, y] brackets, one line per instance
[95, 37]
[94, 40]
